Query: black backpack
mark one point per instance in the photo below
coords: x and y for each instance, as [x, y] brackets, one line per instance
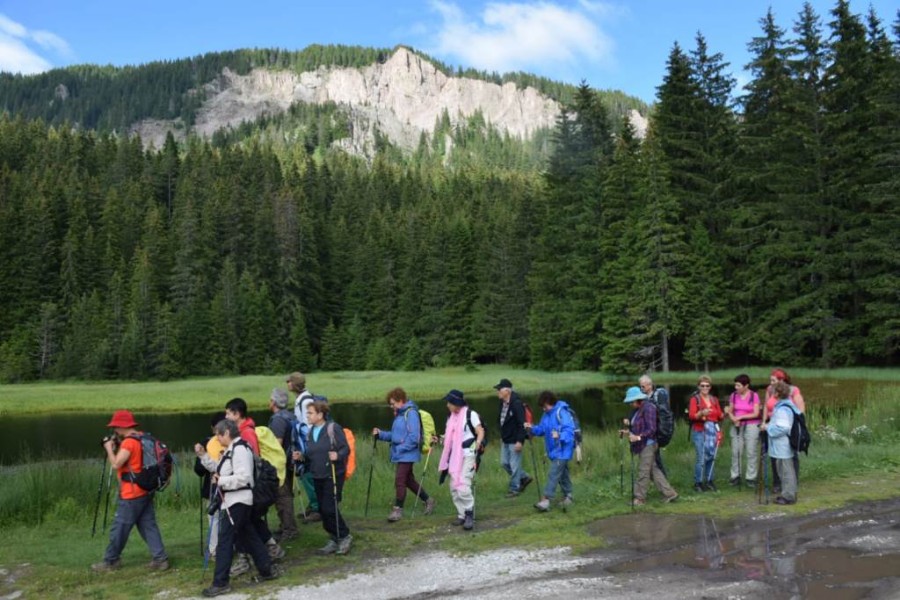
[800, 437]
[157, 464]
[480, 449]
[265, 482]
[665, 418]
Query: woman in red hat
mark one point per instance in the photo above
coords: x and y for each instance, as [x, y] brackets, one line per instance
[135, 506]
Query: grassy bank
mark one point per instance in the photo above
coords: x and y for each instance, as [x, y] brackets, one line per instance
[195, 395]
[47, 509]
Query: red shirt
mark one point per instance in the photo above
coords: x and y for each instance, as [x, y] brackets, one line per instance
[247, 429]
[128, 490]
[697, 404]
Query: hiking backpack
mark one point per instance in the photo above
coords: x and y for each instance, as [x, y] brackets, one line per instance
[426, 429]
[265, 480]
[350, 467]
[157, 464]
[800, 437]
[665, 418]
[271, 451]
[480, 449]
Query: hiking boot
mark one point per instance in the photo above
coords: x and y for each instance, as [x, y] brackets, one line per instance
[783, 501]
[216, 590]
[469, 521]
[543, 505]
[344, 545]
[671, 498]
[158, 564]
[750, 483]
[566, 502]
[512, 494]
[524, 483]
[458, 521]
[711, 487]
[274, 573]
[396, 514]
[638, 502]
[734, 481]
[330, 548]
[106, 567]
[312, 517]
[276, 552]
[282, 536]
[429, 505]
[699, 487]
[239, 566]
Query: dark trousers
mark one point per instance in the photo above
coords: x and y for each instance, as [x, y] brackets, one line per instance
[236, 526]
[332, 520]
[404, 478]
[284, 505]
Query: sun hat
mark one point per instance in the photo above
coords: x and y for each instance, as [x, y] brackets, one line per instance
[455, 397]
[634, 393]
[122, 418]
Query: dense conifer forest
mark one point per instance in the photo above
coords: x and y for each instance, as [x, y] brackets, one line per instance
[748, 226]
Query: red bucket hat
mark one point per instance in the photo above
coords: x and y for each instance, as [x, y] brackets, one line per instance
[122, 418]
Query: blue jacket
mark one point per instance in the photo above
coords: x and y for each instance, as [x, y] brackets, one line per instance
[404, 435]
[560, 419]
[779, 429]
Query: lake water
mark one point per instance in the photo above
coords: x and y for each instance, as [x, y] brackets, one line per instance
[46, 437]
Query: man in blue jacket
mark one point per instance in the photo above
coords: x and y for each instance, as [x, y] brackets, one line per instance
[558, 430]
[405, 438]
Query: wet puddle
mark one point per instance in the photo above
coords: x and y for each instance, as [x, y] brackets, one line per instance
[835, 555]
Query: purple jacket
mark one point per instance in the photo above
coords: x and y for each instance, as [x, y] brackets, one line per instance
[643, 423]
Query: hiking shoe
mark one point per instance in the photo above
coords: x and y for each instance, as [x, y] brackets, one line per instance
[699, 487]
[524, 483]
[344, 545]
[711, 487]
[543, 505]
[284, 536]
[312, 517]
[240, 566]
[276, 552]
[469, 521]
[330, 548]
[671, 498]
[216, 590]
[638, 502]
[734, 481]
[274, 573]
[750, 482]
[396, 514]
[158, 565]
[106, 567]
[458, 521]
[782, 500]
[511, 494]
[566, 502]
[429, 505]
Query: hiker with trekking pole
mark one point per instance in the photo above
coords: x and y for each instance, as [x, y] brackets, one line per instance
[745, 411]
[641, 433]
[233, 482]
[557, 427]
[205, 465]
[463, 443]
[326, 456]
[407, 441]
[124, 452]
[512, 437]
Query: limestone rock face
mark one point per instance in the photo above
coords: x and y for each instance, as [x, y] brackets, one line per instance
[402, 97]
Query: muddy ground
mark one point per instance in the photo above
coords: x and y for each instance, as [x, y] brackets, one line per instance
[830, 555]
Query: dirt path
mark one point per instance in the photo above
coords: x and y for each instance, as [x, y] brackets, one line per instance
[830, 555]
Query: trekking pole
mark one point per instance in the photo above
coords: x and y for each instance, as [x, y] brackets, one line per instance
[108, 490]
[621, 464]
[201, 514]
[99, 497]
[537, 477]
[213, 521]
[337, 528]
[424, 471]
[759, 467]
[632, 481]
[371, 469]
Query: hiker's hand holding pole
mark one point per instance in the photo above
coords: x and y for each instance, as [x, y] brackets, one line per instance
[376, 432]
[297, 456]
[332, 456]
[517, 447]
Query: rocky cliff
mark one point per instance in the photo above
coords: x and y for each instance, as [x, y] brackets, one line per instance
[402, 97]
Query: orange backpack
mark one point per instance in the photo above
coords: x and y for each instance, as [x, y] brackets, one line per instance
[351, 442]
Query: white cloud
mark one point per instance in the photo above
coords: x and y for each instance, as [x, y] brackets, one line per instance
[524, 36]
[18, 53]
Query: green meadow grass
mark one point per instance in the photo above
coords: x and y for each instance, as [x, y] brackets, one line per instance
[47, 509]
[198, 395]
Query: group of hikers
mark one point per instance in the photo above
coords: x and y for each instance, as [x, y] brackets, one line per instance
[238, 460]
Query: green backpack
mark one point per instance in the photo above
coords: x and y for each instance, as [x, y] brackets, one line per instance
[426, 429]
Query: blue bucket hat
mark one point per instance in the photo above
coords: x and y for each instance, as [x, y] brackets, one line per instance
[634, 393]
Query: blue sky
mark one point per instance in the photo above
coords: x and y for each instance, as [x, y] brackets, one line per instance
[617, 45]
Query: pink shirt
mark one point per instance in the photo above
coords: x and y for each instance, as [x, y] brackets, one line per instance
[746, 406]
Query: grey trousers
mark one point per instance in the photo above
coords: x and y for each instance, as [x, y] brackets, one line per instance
[130, 513]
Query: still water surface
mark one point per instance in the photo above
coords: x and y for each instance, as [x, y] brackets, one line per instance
[45, 437]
